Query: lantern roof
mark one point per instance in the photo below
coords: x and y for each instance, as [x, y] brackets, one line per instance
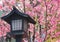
[15, 10]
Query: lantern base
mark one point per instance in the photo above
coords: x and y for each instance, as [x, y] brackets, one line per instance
[18, 38]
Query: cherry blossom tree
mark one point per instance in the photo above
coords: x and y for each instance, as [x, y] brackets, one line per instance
[46, 13]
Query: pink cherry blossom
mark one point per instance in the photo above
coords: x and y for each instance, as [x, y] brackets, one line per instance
[51, 8]
[58, 40]
[39, 0]
[0, 7]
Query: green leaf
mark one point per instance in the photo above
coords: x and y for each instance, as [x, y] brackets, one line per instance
[1, 12]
